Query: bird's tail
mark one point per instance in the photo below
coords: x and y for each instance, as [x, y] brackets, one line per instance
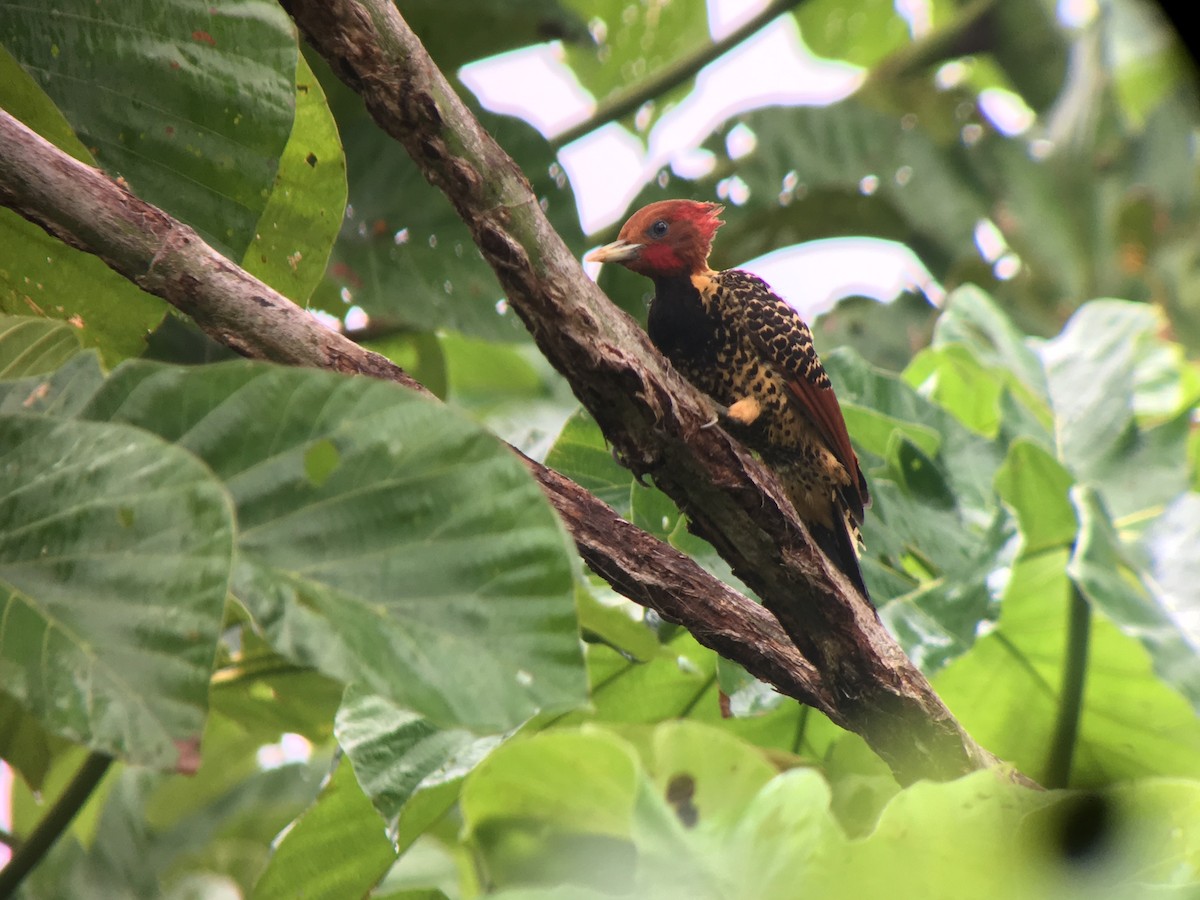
[840, 544]
[838, 538]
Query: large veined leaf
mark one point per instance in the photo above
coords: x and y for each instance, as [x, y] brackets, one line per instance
[115, 552]
[381, 537]
[191, 102]
[40, 275]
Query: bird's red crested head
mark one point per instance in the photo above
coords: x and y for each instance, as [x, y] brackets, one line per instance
[670, 237]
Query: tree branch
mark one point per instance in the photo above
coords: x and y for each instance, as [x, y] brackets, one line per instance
[651, 416]
[83, 208]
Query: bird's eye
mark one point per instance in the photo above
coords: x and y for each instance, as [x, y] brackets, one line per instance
[659, 229]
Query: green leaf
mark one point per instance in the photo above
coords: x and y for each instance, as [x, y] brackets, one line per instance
[1007, 840]
[189, 102]
[1036, 486]
[22, 99]
[679, 681]
[1111, 583]
[813, 161]
[62, 392]
[115, 552]
[635, 42]
[524, 810]
[460, 34]
[404, 256]
[302, 218]
[39, 274]
[862, 34]
[43, 276]
[427, 564]
[952, 378]
[582, 454]
[973, 319]
[934, 534]
[30, 346]
[24, 744]
[1093, 369]
[395, 752]
[620, 623]
[269, 696]
[337, 848]
[1148, 58]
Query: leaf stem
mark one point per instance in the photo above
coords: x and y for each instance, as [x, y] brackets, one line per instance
[1070, 702]
[54, 823]
[628, 100]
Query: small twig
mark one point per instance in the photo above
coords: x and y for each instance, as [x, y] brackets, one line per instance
[54, 823]
[629, 100]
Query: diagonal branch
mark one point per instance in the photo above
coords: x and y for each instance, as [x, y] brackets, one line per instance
[82, 207]
[651, 416]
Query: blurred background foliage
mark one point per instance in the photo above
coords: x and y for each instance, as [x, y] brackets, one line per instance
[364, 615]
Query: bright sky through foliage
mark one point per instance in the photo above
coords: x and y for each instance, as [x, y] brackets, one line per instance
[610, 166]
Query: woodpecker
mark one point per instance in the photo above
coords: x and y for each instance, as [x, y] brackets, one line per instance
[741, 344]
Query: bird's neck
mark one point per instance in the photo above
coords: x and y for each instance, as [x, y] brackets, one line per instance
[699, 280]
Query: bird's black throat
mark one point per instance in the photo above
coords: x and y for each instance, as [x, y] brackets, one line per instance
[681, 325]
